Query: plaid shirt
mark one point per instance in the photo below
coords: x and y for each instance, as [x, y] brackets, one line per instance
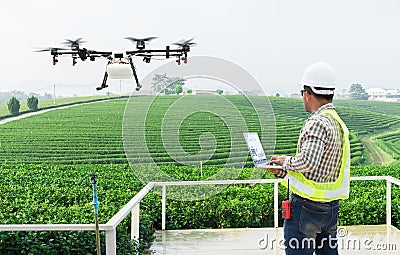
[319, 149]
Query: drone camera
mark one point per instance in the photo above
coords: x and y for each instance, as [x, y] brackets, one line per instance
[118, 55]
[92, 58]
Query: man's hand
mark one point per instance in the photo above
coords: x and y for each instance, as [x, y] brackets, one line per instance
[277, 160]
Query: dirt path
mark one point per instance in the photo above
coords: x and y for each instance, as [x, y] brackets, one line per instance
[376, 153]
[375, 156]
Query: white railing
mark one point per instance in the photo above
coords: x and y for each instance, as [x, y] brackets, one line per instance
[133, 206]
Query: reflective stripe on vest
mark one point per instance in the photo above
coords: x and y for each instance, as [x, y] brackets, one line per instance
[328, 191]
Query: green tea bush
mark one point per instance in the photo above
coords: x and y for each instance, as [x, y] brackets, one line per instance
[61, 194]
[43, 194]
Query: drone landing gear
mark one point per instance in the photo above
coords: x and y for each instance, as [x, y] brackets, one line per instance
[138, 86]
[103, 84]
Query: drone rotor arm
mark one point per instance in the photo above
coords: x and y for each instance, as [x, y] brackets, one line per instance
[92, 54]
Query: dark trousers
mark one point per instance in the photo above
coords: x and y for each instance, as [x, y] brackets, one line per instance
[311, 228]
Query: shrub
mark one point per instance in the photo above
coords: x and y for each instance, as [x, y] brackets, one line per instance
[33, 103]
[13, 106]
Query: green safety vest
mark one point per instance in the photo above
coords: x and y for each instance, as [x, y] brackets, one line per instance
[328, 191]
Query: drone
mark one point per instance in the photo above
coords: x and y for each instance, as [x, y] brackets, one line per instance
[120, 65]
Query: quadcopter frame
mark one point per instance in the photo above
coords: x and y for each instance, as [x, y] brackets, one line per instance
[181, 54]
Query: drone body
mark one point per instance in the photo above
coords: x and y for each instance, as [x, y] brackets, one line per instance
[120, 65]
[119, 71]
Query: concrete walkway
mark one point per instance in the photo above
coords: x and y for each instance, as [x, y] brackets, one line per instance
[363, 240]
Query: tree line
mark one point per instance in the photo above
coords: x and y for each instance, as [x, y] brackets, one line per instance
[14, 105]
[357, 92]
[21, 96]
[167, 85]
[171, 85]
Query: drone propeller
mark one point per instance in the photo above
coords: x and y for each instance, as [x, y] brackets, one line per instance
[74, 44]
[50, 49]
[185, 43]
[141, 40]
[140, 43]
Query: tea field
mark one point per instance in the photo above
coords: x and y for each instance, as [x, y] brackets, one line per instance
[62, 194]
[47, 160]
[92, 133]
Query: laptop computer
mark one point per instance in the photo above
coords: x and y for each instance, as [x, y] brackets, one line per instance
[257, 152]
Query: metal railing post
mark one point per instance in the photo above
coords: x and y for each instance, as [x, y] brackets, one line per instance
[163, 204]
[388, 203]
[135, 220]
[276, 205]
[111, 242]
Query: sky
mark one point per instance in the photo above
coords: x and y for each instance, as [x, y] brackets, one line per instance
[273, 40]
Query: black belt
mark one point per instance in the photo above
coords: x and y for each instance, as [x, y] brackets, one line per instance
[321, 202]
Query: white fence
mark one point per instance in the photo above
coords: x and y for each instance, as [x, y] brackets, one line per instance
[133, 206]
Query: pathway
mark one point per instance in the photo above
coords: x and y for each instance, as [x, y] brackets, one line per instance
[365, 240]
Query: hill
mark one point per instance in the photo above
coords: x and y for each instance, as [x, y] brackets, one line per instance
[92, 133]
[389, 108]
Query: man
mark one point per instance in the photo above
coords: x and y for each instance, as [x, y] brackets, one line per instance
[319, 174]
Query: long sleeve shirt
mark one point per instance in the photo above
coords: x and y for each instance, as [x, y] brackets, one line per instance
[319, 149]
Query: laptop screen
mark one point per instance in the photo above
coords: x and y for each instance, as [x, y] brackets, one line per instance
[255, 147]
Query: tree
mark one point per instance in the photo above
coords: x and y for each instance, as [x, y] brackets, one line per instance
[173, 83]
[277, 95]
[33, 103]
[13, 106]
[164, 84]
[178, 89]
[219, 91]
[159, 82]
[357, 92]
[189, 91]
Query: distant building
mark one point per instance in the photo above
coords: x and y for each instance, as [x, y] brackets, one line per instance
[385, 95]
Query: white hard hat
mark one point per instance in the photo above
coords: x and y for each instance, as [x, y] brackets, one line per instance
[321, 77]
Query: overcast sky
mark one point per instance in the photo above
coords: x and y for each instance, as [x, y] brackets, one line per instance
[273, 40]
